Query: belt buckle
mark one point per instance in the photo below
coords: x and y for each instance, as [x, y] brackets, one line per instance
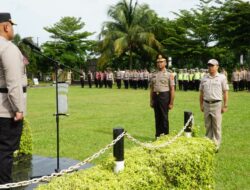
[157, 93]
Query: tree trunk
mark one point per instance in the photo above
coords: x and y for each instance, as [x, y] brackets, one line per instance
[130, 60]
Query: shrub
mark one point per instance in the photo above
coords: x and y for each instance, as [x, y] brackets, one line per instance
[26, 141]
[188, 163]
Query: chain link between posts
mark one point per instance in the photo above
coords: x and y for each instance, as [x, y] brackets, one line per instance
[150, 146]
[62, 172]
[94, 156]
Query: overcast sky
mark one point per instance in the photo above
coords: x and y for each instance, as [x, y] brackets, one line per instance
[32, 15]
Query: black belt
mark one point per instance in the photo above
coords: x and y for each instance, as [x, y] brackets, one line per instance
[157, 93]
[212, 102]
[5, 90]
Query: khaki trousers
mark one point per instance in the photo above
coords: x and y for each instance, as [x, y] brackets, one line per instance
[213, 119]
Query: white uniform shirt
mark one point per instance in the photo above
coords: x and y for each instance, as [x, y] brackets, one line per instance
[13, 77]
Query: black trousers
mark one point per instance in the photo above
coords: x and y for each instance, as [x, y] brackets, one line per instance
[82, 82]
[241, 85]
[131, 83]
[126, 84]
[105, 82]
[119, 83]
[110, 83]
[180, 84]
[100, 83]
[197, 84]
[161, 102]
[185, 85]
[236, 86]
[90, 83]
[10, 134]
[145, 84]
[135, 84]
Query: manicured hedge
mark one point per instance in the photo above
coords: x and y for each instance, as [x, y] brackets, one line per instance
[188, 163]
[26, 141]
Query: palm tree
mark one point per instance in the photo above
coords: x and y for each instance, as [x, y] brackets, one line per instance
[129, 34]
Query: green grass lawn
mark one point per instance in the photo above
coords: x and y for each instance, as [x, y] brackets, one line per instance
[95, 112]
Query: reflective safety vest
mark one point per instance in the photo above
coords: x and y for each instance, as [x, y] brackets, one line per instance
[191, 76]
[180, 76]
[185, 76]
[197, 76]
[202, 75]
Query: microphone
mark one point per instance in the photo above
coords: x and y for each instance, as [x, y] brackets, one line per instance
[30, 44]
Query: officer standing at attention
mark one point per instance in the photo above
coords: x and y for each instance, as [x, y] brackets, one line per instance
[162, 96]
[185, 80]
[213, 101]
[126, 79]
[197, 78]
[13, 82]
[119, 79]
[90, 78]
[82, 78]
[180, 79]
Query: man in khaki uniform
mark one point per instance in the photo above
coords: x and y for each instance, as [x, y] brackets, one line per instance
[235, 80]
[119, 79]
[213, 100]
[162, 96]
[110, 78]
[248, 79]
[126, 79]
[180, 79]
[197, 78]
[13, 83]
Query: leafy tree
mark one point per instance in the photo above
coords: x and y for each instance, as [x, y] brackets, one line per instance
[233, 27]
[70, 45]
[190, 37]
[129, 34]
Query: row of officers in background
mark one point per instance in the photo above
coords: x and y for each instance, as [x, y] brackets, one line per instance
[185, 79]
[241, 79]
[131, 78]
[189, 79]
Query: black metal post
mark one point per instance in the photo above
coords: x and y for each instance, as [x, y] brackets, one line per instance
[57, 123]
[56, 64]
[187, 115]
[118, 150]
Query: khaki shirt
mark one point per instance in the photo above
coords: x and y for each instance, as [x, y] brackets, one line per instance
[213, 87]
[13, 77]
[126, 76]
[161, 81]
[235, 76]
[110, 76]
[241, 75]
[118, 75]
[248, 76]
[145, 75]
[135, 76]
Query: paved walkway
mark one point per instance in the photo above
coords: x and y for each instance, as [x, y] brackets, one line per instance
[37, 166]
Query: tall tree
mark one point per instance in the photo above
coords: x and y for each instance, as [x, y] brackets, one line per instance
[191, 35]
[128, 34]
[70, 44]
[233, 26]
